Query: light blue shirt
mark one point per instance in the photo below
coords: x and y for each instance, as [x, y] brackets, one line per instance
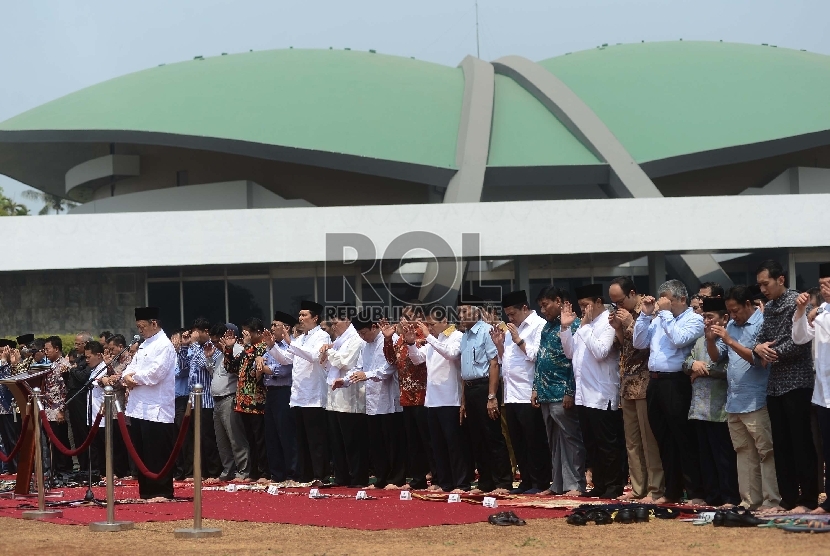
[746, 388]
[477, 349]
[280, 374]
[670, 338]
[182, 373]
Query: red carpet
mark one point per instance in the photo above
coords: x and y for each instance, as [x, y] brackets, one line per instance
[290, 506]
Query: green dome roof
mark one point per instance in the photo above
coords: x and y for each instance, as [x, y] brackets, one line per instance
[668, 99]
[661, 100]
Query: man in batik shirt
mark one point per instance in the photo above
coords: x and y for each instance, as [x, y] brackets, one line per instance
[250, 393]
[413, 383]
[54, 398]
[644, 465]
[553, 390]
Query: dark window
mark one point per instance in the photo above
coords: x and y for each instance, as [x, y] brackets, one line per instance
[335, 290]
[288, 292]
[165, 296]
[249, 298]
[204, 299]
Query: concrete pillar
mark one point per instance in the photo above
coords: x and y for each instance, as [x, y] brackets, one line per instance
[791, 269]
[656, 272]
[521, 275]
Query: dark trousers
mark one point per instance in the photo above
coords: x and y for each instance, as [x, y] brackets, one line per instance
[530, 444]
[668, 399]
[604, 438]
[10, 432]
[254, 425]
[387, 448]
[349, 448]
[120, 462]
[419, 447]
[280, 434]
[823, 415]
[487, 441]
[184, 461]
[718, 463]
[60, 463]
[313, 453]
[795, 453]
[211, 464]
[154, 442]
[76, 414]
[450, 449]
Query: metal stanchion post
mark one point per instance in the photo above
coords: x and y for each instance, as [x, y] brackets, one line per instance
[41, 512]
[110, 524]
[197, 532]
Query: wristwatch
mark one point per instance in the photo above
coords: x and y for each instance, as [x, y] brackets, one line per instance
[491, 397]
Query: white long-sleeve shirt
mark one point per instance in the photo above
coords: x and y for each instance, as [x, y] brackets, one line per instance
[154, 370]
[342, 358]
[596, 363]
[443, 358]
[518, 367]
[383, 392]
[97, 393]
[308, 378]
[819, 334]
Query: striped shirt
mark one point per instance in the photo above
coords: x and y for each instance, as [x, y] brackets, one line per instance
[198, 371]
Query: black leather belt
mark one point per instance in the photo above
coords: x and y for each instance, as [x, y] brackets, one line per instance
[476, 381]
[664, 376]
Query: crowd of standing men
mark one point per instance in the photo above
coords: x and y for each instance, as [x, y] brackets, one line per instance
[711, 398]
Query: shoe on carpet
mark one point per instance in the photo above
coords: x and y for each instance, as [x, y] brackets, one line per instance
[624, 515]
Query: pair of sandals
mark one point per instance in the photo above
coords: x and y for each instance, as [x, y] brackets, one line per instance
[638, 514]
[506, 518]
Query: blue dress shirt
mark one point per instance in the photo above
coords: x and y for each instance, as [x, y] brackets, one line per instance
[670, 338]
[477, 350]
[746, 388]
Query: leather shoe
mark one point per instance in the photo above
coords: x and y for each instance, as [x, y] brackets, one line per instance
[741, 518]
[641, 514]
[624, 515]
[577, 518]
[500, 518]
[600, 517]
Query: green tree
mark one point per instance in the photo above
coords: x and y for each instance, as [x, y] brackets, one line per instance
[51, 203]
[8, 207]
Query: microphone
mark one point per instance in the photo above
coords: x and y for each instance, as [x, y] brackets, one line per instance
[136, 339]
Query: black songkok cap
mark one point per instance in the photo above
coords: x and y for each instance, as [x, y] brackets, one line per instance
[470, 299]
[714, 305]
[755, 292]
[146, 313]
[824, 270]
[285, 318]
[514, 298]
[308, 305]
[593, 291]
[7, 343]
[25, 339]
[362, 320]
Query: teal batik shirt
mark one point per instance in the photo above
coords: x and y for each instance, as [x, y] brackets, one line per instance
[554, 377]
[708, 392]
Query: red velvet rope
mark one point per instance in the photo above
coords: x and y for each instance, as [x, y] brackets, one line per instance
[125, 433]
[47, 427]
[23, 428]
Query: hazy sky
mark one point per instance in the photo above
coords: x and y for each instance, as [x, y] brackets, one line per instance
[49, 48]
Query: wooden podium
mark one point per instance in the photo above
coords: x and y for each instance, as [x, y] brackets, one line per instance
[21, 386]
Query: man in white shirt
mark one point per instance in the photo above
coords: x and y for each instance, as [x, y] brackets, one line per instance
[518, 344]
[814, 325]
[670, 330]
[442, 355]
[384, 414]
[151, 405]
[597, 374]
[94, 353]
[309, 391]
[346, 406]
